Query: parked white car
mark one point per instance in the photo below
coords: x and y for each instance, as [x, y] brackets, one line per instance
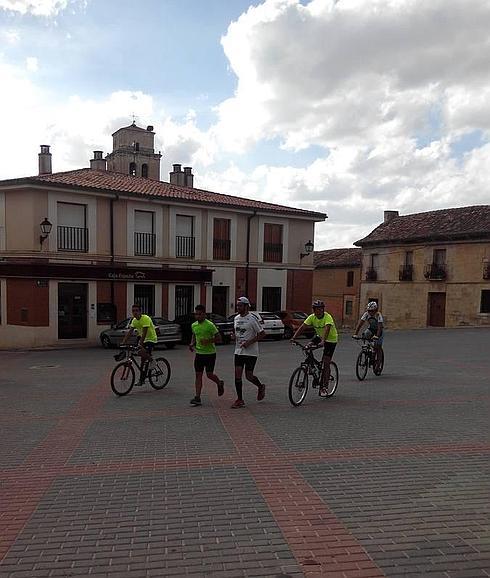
[271, 323]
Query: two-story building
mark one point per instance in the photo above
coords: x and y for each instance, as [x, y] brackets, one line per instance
[77, 248]
[337, 280]
[430, 269]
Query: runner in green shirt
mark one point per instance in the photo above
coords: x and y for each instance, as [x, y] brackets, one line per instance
[205, 335]
[326, 333]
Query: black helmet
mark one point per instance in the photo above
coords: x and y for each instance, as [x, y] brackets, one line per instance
[318, 303]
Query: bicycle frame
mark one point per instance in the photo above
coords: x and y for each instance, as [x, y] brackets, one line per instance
[130, 353]
[311, 364]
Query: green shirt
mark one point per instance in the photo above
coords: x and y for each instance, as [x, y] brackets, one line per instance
[204, 330]
[319, 326]
[141, 323]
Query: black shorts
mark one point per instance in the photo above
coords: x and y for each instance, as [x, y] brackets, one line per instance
[247, 361]
[204, 361]
[149, 345]
[328, 348]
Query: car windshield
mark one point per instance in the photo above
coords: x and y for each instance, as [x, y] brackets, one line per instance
[216, 317]
[299, 315]
[269, 316]
[123, 324]
[160, 321]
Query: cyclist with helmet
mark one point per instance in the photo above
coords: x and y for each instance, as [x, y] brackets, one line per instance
[326, 334]
[374, 320]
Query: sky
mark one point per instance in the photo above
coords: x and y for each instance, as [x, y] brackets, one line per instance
[348, 107]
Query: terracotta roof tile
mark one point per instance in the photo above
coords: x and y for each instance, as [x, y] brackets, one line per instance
[118, 182]
[443, 225]
[349, 257]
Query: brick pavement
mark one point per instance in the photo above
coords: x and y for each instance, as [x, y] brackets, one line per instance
[388, 478]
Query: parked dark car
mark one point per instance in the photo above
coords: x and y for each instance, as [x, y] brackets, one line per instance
[292, 321]
[224, 326]
[167, 333]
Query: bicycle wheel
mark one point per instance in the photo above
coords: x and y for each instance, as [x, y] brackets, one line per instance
[333, 382]
[122, 378]
[361, 365]
[379, 362]
[298, 386]
[159, 374]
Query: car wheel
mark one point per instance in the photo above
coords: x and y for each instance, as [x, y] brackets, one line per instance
[288, 332]
[170, 345]
[106, 342]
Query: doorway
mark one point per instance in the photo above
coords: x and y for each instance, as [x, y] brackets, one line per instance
[437, 310]
[144, 296]
[220, 300]
[72, 310]
[184, 300]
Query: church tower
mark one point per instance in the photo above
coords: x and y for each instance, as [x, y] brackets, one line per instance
[133, 152]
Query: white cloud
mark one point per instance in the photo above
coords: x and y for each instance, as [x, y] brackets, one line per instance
[32, 64]
[36, 7]
[11, 36]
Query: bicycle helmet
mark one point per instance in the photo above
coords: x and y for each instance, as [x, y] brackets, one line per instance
[318, 303]
[372, 305]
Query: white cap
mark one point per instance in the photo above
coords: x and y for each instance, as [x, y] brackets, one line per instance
[243, 300]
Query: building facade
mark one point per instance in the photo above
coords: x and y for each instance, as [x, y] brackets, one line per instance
[121, 236]
[430, 269]
[337, 281]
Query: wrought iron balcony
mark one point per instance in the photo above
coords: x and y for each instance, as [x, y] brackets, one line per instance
[221, 249]
[185, 247]
[371, 274]
[435, 271]
[406, 273]
[144, 243]
[72, 239]
[273, 252]
[486, 270]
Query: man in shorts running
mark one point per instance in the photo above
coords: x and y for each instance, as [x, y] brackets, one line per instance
[326, 333]
[205, 335]
[147, 338]
[248, 333]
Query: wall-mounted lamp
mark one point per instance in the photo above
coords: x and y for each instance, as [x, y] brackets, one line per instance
[308, 250]
[46, 227]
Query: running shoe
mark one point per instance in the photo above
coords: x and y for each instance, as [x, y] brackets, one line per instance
[238, 403]
[196, 401]
[261, 392]
[221, 387]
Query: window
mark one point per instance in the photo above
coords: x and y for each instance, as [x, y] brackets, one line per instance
[350, 278]
[184, 241]
[348, 308]
[221, 239]
[136, 146]
[144, 295]
[408, 258]
[272, 243]
[439, 256]
[372, 270]
[271, 298]
[144, 237]
[374, 257]
[72, 227]
[406, 269]
[184, 300]
[132, 169]
[485, 301]
[144, 170]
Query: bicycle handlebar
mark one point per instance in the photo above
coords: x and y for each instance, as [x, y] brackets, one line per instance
[307, 347]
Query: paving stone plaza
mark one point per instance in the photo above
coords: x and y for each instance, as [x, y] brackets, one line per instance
[390, 477]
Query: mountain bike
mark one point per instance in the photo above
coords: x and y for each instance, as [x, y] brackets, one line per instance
[299, 381]
[123, 377]
[369, 356]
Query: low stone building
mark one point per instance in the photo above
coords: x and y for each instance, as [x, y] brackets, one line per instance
[336, 280]
[429, 269]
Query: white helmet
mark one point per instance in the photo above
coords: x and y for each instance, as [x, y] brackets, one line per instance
[372, 305]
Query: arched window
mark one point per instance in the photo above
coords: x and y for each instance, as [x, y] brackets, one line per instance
[137, 146]
[132, 169]
[144, 170]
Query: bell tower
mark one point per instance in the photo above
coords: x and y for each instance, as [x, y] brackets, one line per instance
[133, 152]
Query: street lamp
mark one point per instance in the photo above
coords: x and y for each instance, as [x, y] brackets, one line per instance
[308, 250]
[46, 227]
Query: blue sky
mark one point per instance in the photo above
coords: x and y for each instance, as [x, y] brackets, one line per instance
[347, 107]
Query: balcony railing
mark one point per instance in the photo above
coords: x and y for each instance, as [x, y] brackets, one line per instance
[144, 243]
[371, 274]
[406, 273]
[72, 239]
[185, 247]
[486, 270]
[273, 252]
[221, 249]
[435, 271]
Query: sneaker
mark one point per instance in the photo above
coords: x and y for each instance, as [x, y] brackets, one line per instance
[261, 392]
[238, 403]
[196, 401]
[323, 392]
[221, 387]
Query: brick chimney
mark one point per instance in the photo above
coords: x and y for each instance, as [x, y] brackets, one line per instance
[45, 167]
[177, 176]
[98, 162]
[188, 177]
[389, 216]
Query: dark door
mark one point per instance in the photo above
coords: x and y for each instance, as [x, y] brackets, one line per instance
[271, 298]
[184, 300]
[144, 295]
[72, 310]
[437, 309]
[220, 300]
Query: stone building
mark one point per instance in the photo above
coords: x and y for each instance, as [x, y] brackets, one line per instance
[337, 280]
[77, 248]
[429, 269]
